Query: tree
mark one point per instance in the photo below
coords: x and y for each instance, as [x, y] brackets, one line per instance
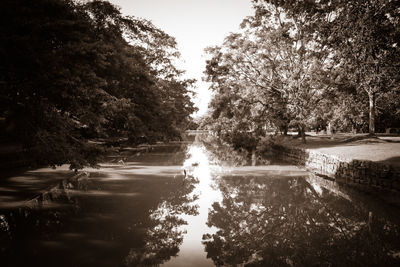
[272, 69]
[72, 71]
[145, 74]
[363, 37]
[47, 54]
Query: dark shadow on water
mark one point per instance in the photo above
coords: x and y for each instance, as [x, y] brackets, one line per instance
[25, 185]
[110, 219]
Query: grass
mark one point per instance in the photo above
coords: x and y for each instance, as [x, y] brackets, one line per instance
[385, 149]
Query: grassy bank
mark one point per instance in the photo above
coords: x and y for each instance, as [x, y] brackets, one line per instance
[383, 149]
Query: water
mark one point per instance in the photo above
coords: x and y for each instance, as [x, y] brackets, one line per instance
[192, 206]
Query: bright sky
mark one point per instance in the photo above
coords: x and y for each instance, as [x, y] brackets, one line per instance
[196, 24]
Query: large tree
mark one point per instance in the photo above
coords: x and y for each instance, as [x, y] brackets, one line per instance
[273, 69]
[70, 71]
[363, 36]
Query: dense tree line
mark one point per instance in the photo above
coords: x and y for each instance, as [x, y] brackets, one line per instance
[72, 71]
[304, 64]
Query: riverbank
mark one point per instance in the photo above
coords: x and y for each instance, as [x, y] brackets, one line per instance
[368, 164]
[146, 211]
[21, 184]
[350, 159]
[383, 149]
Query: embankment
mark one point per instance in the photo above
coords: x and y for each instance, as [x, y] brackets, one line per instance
[362, 174]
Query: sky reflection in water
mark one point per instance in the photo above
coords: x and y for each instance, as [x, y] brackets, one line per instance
[147, 212]
[192, 250]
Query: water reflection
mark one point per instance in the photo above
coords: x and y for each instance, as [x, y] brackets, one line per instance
[292, 221]
[198, 166]
[164, 235]
[120, 216]
[190, 207]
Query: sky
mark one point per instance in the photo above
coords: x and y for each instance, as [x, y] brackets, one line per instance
[195, 24]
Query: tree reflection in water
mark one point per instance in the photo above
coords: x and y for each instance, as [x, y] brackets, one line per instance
[164, 235]
[136, 219]
[291, 222]
[101, 221]
[221, 153]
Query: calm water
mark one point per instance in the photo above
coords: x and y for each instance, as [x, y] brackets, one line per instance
[191, 206]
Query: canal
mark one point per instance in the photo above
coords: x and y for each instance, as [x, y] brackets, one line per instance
[194, 205]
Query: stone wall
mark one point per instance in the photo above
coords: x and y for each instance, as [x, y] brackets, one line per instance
[360, 173]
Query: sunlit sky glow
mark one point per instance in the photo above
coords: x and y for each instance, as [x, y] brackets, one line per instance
[196, 24]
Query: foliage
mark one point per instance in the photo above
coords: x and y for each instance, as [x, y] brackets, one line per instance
[270, 74]
[388, 110]
[362, 36]
[223, 153]
[307, 64]
[71, 71]
[292, 221]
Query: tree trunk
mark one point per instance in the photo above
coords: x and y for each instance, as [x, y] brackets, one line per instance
[302, 133]
[285, 130]
[371, 96]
